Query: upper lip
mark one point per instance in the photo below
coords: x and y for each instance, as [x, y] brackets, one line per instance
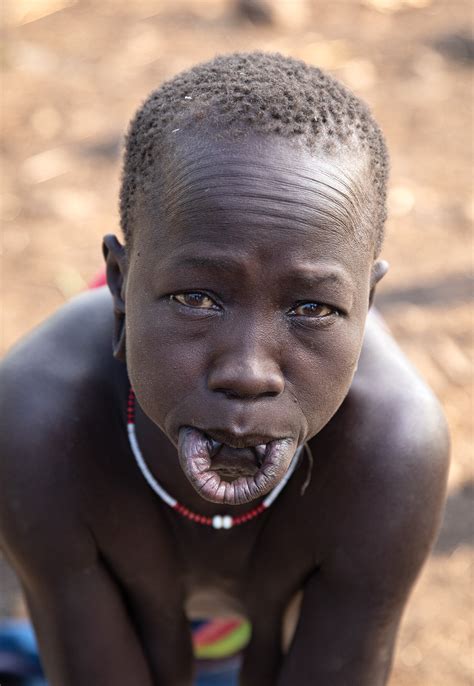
[247, 440]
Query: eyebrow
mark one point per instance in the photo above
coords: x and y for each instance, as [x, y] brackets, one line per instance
[310, 277]
[209, 262]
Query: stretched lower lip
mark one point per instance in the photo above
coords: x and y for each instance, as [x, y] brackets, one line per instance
[195, 460]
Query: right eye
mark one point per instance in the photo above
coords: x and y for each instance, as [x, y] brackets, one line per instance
[195, 299]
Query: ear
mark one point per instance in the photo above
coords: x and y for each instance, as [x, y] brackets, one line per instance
[116, 269]
[379, 269]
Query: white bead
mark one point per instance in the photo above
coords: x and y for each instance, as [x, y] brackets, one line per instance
[227, 522]
[217, 522]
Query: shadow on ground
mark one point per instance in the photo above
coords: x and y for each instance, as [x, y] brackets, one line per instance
[458, 523]
[451, 289]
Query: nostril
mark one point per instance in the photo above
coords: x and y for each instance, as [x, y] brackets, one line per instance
[232, 395]
[270, 394]
[227, 393]
[235, 395]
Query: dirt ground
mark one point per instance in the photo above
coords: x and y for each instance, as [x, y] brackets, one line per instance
[74, 71]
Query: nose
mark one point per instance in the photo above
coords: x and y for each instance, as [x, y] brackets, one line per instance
[246, 371]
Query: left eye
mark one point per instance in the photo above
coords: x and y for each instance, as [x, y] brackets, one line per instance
[196, 300]
[311, 309]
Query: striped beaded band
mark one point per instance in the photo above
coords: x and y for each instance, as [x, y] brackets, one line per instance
[218, 521]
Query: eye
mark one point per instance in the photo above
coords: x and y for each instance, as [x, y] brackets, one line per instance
[312, 309]
[195, 299]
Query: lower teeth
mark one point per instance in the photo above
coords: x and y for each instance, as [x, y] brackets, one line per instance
[214, 447]
[259, 450]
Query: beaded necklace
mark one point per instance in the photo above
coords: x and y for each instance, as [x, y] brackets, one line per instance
[218, 521]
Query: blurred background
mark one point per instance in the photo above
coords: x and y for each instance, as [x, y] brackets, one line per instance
[74, 71]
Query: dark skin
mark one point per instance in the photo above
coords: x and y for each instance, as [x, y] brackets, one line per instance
[240, 308]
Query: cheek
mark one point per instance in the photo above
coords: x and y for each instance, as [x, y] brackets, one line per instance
[323, 373]
[162, 365]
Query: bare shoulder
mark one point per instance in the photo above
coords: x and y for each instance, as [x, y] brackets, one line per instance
[67, 344]
[52, 385]
[394, 469]
[399, 414]
[48, 375]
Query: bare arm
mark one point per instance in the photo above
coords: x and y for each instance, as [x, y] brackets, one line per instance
[84, 632]
[353, 604]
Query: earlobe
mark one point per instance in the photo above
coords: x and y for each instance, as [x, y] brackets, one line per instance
[379, 269]
[116, 269]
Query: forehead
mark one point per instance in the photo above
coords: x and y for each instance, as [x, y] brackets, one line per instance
[256, 193]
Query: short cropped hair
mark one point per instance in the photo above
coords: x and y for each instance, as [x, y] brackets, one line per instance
[266, 93]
